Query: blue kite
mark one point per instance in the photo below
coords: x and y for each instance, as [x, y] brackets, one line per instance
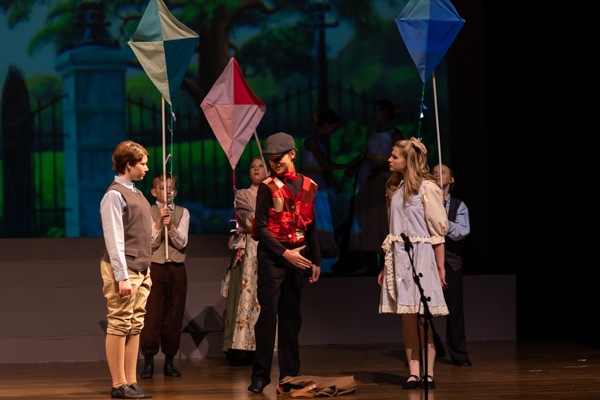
[428, 28]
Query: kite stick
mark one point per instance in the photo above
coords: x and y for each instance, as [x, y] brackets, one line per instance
[164, 158]
[260, 151]
[437, 126]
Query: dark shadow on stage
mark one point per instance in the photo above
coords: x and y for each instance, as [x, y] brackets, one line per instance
[376, 377]
[399, 354]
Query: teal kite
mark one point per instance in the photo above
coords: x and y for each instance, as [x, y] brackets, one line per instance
[164, 46]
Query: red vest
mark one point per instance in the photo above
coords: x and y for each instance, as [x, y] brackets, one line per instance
[290, 216]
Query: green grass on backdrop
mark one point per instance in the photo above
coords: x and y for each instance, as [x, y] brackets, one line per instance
[44, 196]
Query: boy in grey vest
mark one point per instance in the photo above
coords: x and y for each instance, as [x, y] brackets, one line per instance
[459, 227]
[166, 303]
[126, 224]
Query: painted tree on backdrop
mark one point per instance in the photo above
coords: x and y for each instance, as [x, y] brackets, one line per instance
[279, 50]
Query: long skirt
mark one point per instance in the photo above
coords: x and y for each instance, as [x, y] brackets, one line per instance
[239, 286]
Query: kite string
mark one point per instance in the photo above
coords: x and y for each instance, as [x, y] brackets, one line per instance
[421, 113]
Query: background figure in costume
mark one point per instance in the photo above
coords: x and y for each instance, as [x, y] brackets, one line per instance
[416, 210]
[166, 303]
[317, 165]
[458, 228]
[369, 227]
[127, 227]
[239, 284]
[283, 224]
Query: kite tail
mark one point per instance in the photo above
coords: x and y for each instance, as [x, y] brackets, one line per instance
[235, 215]
[421, 113]
[173, 119]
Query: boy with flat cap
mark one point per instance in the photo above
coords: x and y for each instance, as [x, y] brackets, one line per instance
[284, 223]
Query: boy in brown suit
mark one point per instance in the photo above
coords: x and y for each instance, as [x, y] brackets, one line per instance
[166, 303]
[126, 224]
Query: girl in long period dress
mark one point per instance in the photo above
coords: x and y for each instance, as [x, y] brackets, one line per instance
[415, 208]
[239, 284]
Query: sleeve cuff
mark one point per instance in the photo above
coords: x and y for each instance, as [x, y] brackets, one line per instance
[437, 240]
[121, 276]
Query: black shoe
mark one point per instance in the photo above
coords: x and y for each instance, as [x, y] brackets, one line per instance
[169, 370]
[125, 392]
[257, 386]
[141, 391]
[462, 363]
[412, 384]
[430, 383]
[147, 372]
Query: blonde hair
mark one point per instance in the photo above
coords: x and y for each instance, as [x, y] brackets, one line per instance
[417, 169]
[254, 159]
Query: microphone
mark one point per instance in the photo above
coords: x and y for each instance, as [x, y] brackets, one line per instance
[407, 243]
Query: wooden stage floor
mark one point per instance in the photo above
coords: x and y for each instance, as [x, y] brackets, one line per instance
[501, 370]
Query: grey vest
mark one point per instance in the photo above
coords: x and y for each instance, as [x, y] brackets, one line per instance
[453, 252]
[137, 227]
[159, 254]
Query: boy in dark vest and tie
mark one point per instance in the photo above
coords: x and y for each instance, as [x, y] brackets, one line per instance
[284, 223]
[126, 224]
[458, 229]
[166, 303]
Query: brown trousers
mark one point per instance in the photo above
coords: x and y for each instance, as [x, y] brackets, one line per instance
[165, 309]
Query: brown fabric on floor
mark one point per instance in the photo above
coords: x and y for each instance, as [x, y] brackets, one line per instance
[316, 386]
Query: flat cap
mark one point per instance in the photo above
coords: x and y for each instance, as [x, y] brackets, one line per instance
[278, 144]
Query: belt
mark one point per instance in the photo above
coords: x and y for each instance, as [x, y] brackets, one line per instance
[291, 246]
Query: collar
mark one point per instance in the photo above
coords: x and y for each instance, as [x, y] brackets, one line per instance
[127, 183]
[169, 206]
[291, 175]
[447, 202]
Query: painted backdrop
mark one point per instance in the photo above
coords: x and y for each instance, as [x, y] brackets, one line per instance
[72, 90]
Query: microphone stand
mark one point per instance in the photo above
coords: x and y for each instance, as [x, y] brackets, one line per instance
[428, 317]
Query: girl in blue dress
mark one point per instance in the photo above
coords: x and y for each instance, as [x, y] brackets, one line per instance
[415, 208]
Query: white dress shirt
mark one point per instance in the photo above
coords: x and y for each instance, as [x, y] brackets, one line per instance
[178, 237]
[112, 208]
[460, 228]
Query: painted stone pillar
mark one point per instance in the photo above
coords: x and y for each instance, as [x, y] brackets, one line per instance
[94, 123]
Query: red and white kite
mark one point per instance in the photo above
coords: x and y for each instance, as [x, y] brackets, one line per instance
[233, 111]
